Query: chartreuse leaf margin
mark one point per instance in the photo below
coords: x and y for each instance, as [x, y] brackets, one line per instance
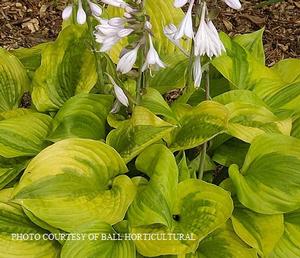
[80, 177]
[157, 210]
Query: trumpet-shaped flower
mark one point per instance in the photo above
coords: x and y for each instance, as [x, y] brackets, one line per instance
[186, 26]
[207, 40]
[197, 72]
[170, 32]
[67, 12]
[234, 4]
[116, 3]
[152, 58]
[180, 3]
[120, 95]
[128, 60]
[109, 32]
[96, 9]
[81, 15]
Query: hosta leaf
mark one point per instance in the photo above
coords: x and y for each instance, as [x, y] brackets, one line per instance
[67, 68]
[155, 102]
[28, 141]
[99, 248]
[82, 182]
[231, 152]
[276, 87]
[13, 81]
[240, 119]
[13, 221]
[289, 244]
[223, 243]
[158, 18]
[132, 136]
[253, 43]
[15, 113]
[247, 121]
[242, 96]
[198, 124]
[155, 203]
[82, 116]
[262, 232]
[199, 209]
[10, 169]
[269, 180]
[296, 126]
[172, 77]
[30, 57]
[288, 70]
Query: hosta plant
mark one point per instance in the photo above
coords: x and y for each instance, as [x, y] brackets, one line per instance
[103, 166]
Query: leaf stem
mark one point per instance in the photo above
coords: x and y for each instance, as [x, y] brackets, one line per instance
[204, 145]
[141, 80]
[97, 54]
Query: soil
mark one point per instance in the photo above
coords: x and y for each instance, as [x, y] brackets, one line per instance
[25, 23]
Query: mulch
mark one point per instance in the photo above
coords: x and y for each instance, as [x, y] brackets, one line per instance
[25, 23]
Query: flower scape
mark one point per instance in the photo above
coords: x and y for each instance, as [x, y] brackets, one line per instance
[103, 166]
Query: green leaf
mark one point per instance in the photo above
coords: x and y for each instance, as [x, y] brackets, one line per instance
[296, 126]
[82, 181]
[132, 136]
[153, 101]
[31, 57]
[269, 180]
[13, 81]
[173, 76]
[242, 96]
[13, 222]
[155, 203]
[10, 169]
[82, 116]
[253, 43]
[67, 68]
[276, 87]
[231, 152]
[26, 142]
[240, 119]
[194, 210]
[262, 232]
[224, 243]
[102, 247]
[247, 121]
[288, 245]
[198, 124]
[288, 70]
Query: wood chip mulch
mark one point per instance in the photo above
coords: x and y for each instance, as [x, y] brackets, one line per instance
[25, 23]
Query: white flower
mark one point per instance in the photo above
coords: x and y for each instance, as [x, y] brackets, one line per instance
[109, 32]
[67, 12]
[186, 26]
[116, 3]
[116, 21]
[96, 9]
[235, 4]
[116, 107]
[207, 40]
[170, 32]
[197, 72]
[81, 15]
[179, 3]
[120, 95]
[128, 60]
[215, 37]
[152, 58]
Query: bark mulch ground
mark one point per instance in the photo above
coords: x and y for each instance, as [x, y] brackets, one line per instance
[25, 23]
